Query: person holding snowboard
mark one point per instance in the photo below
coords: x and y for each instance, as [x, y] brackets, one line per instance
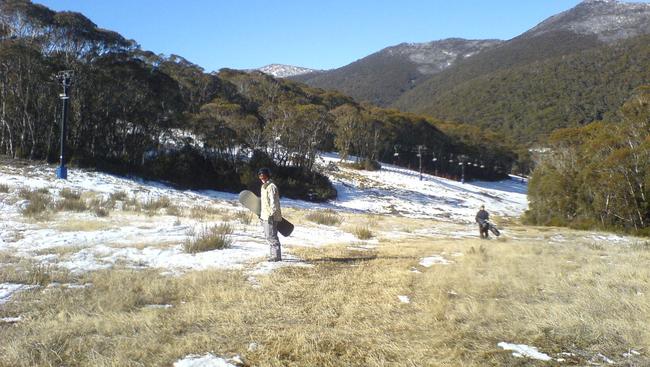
[481, 218]
[270, 214]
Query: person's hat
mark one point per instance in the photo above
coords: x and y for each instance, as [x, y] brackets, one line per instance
[264, 171]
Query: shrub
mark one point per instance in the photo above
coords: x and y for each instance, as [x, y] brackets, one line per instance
[209, 238]
[326, 217]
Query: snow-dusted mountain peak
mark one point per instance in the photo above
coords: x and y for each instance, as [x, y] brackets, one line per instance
[435, 56]
[284, 71]
[609, 20]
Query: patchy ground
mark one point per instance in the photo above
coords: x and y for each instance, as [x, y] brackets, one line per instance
[99, 275]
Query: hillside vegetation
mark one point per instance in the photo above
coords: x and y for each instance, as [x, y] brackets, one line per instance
[162, 117]
[529, 101]
[597, 175]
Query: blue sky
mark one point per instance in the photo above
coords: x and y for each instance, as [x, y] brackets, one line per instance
[317, 34]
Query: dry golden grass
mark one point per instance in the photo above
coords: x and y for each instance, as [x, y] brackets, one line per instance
[571, 297]
[325, 217]
[72, 224]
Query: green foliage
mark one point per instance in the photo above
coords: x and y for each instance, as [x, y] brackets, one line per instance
[526, 100]
[597, 175]
[136, 113]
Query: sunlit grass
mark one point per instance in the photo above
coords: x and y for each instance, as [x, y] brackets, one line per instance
[570, 297]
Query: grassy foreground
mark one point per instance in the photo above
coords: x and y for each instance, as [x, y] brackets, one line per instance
[577, 300]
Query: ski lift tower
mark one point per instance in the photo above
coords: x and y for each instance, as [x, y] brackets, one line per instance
[420, 150]
[462, 162]
[65, 78]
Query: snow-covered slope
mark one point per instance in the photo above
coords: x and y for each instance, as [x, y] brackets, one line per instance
[396, 190]
[80, 241]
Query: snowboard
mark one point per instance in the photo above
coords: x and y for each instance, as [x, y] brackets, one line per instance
[253, 203]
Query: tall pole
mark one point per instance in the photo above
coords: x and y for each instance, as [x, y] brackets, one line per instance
[65, 78]
[421, 148]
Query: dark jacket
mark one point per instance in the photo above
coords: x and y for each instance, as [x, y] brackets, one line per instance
[482, 216]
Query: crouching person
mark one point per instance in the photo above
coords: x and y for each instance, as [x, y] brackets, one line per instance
[270, 214]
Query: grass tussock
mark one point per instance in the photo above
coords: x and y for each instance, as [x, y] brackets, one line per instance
[119, 196]
[156, 204]
[244, 216]
[324, 217]
[206, 211]
[71, 205]
[4, 188]
[39, 203]
[362, 233]
[67, 193]
[28, 272]
[216, 237]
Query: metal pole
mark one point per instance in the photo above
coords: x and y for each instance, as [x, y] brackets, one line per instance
[462, 179]
[420, 157]
[65, 79]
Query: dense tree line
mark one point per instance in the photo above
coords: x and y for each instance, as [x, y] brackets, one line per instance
[526, 102]
[597, 175]
[132, 111]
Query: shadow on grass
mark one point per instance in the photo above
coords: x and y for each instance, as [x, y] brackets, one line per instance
[353, 259]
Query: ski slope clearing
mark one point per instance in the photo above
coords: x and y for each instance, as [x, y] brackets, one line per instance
[396, 190]
[81, 241]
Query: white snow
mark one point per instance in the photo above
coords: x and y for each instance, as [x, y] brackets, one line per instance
[404, 299]
[11, 320]
[138, 240]
[208, 360]
[522, 350]
[428, 262]
[397, 190]
[8, 289]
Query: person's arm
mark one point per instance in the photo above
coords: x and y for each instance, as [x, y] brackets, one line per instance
[274, 195]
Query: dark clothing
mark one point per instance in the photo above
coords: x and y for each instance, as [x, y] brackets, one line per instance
[481, 218]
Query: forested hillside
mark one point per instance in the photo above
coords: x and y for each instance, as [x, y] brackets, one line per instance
[381, 78]
[528, 102]
[597, 175]
[132, 111]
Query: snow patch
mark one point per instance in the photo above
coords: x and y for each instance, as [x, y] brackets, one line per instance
[522, 350]
[428, 262]
[7, 290]
[208, 360]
